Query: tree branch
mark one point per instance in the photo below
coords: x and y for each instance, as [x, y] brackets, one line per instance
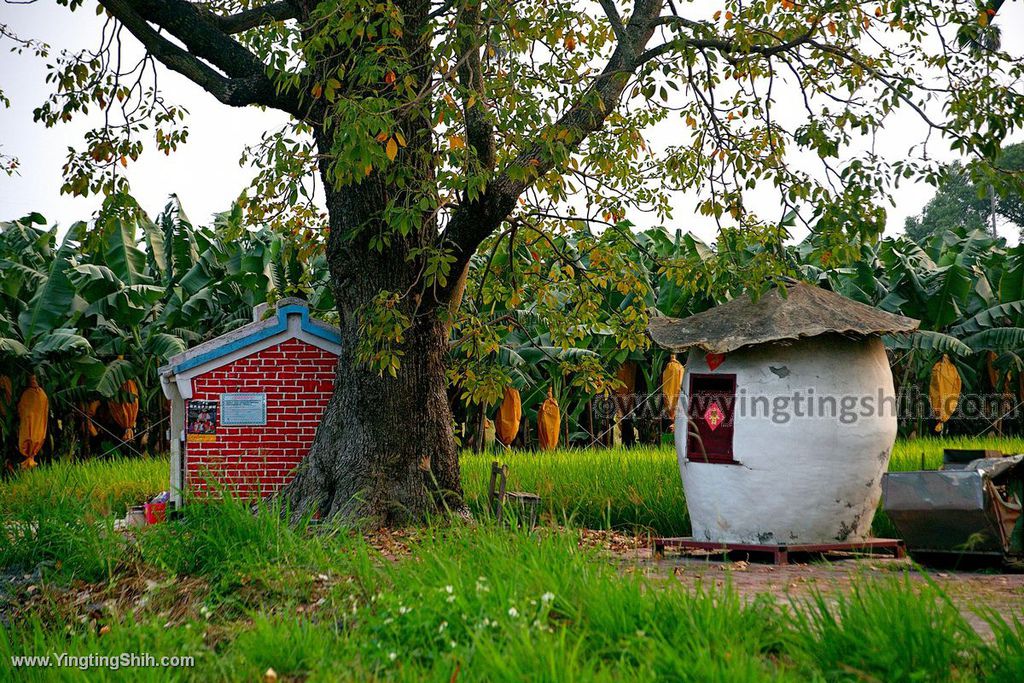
[614, 19]
[198, 31]
[243, 80]
[887, 81]
[726, 47]
[479, 131]
[257, 16]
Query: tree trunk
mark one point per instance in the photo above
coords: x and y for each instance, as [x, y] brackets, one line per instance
[384, 453]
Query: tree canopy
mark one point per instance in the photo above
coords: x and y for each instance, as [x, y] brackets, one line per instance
[525, 105]
[961, 201]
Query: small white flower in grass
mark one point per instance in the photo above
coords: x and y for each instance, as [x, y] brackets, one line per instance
[452, 644]
[451, 598]
[392, 656]
[404, 610]
[448, 589]
[513, 612]
[442, 627]
[547, 597]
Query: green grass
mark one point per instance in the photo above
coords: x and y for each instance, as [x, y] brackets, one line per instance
[476, 603]
[243, 592]
[61, 515]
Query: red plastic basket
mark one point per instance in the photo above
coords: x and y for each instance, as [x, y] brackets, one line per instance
[155, 512]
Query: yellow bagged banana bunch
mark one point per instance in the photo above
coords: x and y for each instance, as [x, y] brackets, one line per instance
[510, 413]
[671, 383]
[549, 422]
[944, 390]
[33, 412]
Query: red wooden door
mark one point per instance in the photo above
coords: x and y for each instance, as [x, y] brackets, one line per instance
[712, 406]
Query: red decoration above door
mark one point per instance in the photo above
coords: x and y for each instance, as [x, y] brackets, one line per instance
[714, 360]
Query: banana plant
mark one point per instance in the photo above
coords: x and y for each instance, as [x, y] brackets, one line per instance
[38, 328]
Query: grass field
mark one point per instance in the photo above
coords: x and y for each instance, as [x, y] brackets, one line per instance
[242, 593]
[636, 488]
[914, 454]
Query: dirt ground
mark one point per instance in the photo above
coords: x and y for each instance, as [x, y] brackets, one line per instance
[973, 589]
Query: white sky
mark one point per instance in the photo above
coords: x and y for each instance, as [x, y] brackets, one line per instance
[205, 172]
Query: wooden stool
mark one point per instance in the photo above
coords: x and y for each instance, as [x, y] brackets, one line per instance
[526, 504]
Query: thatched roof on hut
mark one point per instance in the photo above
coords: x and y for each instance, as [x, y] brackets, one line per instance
[804, 311]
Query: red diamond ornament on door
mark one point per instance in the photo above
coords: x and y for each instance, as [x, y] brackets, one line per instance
[714, 416]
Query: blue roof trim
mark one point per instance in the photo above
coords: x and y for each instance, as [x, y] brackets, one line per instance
[308, 325]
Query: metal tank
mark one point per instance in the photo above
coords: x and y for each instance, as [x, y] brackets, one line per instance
[966, 508]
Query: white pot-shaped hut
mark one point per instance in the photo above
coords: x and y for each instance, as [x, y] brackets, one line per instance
[786, 418]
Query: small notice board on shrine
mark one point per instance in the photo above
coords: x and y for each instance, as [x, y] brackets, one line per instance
[243, 409]
[201, 422]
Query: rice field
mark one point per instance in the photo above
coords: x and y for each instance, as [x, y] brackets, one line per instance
[625, 489]
[105, 486]
[926, 453]
[640, 488]
[598, 488]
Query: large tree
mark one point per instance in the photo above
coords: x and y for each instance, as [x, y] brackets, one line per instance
[956, 204]
[960, 201]
[437, 126]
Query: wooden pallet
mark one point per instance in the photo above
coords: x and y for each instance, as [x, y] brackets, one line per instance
[780, 553]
